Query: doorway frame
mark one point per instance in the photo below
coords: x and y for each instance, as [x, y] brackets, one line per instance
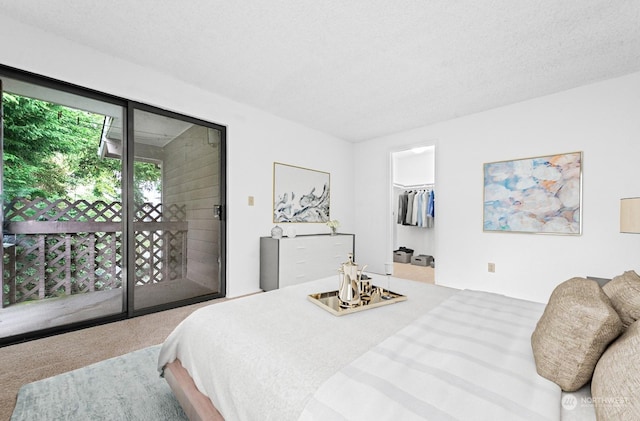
[392, 206]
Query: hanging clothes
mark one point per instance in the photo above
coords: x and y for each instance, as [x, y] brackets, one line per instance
[431, 209]
[402, 207]
[420, 211]
[409, 215]
[416, 208]
[432, 204]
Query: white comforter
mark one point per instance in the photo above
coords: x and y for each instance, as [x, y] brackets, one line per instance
[467, 359]
[265, 356]
[262, 357]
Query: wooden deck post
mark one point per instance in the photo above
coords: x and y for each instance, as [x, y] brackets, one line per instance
[41, 266]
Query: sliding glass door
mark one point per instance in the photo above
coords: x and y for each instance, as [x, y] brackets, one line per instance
[110, 208]
[177, 173]
[61, 209]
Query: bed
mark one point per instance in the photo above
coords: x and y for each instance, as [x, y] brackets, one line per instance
[442, 354]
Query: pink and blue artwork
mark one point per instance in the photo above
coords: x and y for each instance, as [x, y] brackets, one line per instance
[541, 195]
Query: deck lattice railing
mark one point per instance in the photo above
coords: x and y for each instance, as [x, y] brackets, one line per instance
[55, 248]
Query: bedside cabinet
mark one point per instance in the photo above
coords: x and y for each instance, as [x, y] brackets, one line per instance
[291, 261]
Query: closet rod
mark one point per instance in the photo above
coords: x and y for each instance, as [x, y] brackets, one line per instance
[413, 186]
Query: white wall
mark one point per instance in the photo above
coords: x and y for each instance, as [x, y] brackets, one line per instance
[602, 120]
[410, 168]
[255, 139]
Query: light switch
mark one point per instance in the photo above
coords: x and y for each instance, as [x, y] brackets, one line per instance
[491, 267]
[250, 200]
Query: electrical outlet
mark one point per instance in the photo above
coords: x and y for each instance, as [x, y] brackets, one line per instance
[250, 200]
[491, 267]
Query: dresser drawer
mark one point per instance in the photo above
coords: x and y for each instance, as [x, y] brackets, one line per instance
[302, 259]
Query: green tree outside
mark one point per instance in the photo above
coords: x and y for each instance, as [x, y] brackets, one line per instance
[50, 151]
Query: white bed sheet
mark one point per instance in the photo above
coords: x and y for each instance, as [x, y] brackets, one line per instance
[470, 358]
[255, 361]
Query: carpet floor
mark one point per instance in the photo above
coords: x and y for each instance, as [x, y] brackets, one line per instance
[126, 388]
[39, 359]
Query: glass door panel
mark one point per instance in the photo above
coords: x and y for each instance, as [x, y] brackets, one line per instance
[176, 188]
[61, 213]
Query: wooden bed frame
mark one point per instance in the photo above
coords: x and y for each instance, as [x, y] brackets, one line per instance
[196, 405]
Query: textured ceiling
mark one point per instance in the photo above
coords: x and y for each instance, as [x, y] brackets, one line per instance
[363, 68]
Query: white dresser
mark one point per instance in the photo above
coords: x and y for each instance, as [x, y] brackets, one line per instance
[291, 261]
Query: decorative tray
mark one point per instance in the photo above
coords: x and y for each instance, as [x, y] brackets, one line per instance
[330, 302]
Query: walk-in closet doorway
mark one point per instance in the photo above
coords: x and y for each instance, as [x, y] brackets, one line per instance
[413, 194]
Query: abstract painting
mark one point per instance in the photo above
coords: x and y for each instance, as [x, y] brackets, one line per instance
[534, 195]
[300, 194]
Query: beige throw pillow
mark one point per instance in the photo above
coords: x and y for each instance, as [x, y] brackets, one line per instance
[624, 293]
[615, 387]
[577, 325]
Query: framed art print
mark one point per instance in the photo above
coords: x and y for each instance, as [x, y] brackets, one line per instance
[300, 194]
[541, 195]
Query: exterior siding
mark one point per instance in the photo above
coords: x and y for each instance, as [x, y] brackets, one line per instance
[190, 177]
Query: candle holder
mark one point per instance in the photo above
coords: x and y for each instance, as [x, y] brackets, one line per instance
[388, 270]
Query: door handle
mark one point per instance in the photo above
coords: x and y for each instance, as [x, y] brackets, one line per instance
[218, 212]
